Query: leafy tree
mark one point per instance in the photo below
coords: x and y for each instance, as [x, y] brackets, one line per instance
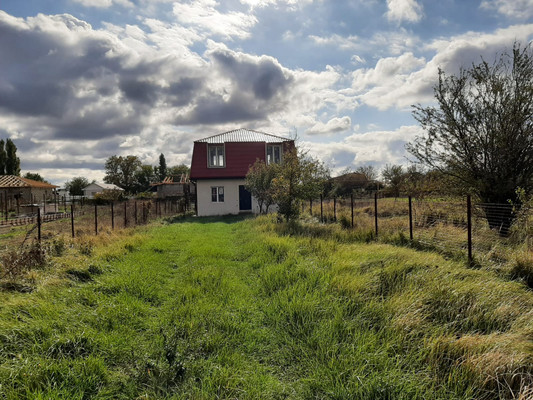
[369, 171]
[3, 157]
[144, 176]
[481, 131]
[121, 171]
[299, 177]
[12, 161]
[34, 176]
[177, 170]
[259, 183]
[162, 169]
[394, 178]
[349, 181]
[76, 185]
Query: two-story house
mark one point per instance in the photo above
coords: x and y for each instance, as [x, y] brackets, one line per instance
[220, 164]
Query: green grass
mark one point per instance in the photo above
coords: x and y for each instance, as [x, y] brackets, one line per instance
[249, 309]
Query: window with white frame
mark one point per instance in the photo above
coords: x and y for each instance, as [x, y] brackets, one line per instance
[217, 194]
[273, 154]
[216, 156]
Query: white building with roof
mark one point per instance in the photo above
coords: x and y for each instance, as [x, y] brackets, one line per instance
[94, 188]
[220, 164]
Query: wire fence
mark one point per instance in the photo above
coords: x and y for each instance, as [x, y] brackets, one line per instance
[453, 225]
[44, 222]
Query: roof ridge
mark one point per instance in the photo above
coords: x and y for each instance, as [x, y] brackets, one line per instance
[233, 131]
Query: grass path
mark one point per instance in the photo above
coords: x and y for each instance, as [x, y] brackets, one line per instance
[232, 309]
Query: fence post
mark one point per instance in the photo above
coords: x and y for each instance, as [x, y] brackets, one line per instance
[6, 206]
[376, 212]
[335, 209]
[96, 219]
[112, 216]
[72, 218]
[469, 226]
[311, 207]
[321, 208]
[410, 218]
[125, 214]
[351, 203]
[39, 224]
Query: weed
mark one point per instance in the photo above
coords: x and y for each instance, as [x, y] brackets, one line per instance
[15, 263]
[58, 246]
[522, 268]
[86, 248]
[79, 275]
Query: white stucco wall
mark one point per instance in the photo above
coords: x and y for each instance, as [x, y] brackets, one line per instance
[231, 197]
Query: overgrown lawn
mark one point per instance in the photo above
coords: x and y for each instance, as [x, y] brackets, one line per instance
[249, 309]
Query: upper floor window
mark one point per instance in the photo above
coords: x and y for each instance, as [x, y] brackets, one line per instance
[273, 153]
[216, 155]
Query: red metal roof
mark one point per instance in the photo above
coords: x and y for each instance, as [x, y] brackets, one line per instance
[244, 135]
[13, 181]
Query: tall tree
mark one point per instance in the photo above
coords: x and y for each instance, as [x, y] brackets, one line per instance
[34, 177]
[299, 177]
[369, 171]
[121, 171]
[259, 183]
[394, 178]
[481, 131]
[76, 185]
[144, 176]
[12, 161]
[177, 170]
[162, 169]
[3, 157]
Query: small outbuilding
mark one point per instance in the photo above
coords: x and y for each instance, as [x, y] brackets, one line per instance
[174, 187]
[17, 191]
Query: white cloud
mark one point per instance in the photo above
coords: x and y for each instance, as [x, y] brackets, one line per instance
[404, 10]
[405, 80]
[333, 126]
[355, 59]
[204, 16]
[370, 148]
[104, 3]
[393, 82]
[517, 9]
[341, 42]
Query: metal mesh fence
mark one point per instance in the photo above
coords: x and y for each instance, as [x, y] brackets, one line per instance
[441, 223]
[47, 221]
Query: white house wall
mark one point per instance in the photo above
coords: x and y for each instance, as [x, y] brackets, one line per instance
[231, 197]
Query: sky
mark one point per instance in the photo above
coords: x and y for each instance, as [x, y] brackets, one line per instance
[82, 80]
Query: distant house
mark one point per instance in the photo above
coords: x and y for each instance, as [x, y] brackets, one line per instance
[220, 164]
[95, 188]
[64, 193]
[173, 186]
[15, 190]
